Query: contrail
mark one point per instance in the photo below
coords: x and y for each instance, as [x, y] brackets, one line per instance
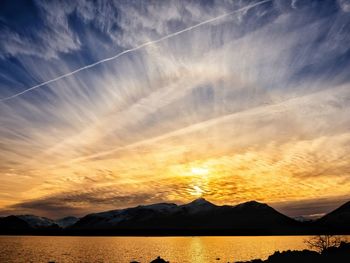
[132, 50]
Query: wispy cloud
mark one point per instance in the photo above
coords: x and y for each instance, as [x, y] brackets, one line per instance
[52, 37]
[151, 42]
[260, 98]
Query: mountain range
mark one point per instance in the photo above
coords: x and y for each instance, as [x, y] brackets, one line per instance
[198, 217]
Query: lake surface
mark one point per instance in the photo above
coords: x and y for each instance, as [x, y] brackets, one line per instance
[143, 249]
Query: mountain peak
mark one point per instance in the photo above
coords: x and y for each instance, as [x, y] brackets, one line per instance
[199, 204]
[252, 204]
[200, 201]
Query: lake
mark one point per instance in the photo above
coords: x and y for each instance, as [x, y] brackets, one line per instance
[143, 249]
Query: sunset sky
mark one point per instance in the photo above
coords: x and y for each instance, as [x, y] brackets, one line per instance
[234, 101]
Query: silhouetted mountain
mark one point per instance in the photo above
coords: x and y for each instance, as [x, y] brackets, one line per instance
[26, 224]
[38, 222]
[198, 205]
[13, 223]
[337, 220]
[199, 215]
[66, 221]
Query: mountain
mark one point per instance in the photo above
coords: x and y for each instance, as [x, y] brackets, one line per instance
[38, 222]
[66, 221]
[302, 219]
[10, 223]
[337, 220]
[26, 224]
[198, 205]
[199, 216]
[137, 216]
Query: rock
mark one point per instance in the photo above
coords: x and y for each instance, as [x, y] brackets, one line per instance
[159, 260]
[332, 254]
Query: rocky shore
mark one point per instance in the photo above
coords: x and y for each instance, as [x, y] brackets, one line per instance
[340, 254]
[157, 260]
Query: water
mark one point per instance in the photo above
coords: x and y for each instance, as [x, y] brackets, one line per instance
[143, 249]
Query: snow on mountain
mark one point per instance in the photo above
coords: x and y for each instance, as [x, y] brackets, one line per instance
[161, 207]
[301, 219]
[37, 221]
[66, 221]
[198, 205]
[114, 217]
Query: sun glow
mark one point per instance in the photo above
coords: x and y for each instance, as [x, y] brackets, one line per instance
[197, 191]
[193, 114]
[199, 171]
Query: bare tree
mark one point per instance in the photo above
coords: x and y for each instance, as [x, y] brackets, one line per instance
[322, 242]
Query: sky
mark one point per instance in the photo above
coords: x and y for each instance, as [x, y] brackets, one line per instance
[112, 104]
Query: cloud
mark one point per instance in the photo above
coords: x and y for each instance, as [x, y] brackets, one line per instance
[311, 208]
[344, 5]
[260, 98]
[146, 44]
[77, 204]
[54, 37]
[80, 202]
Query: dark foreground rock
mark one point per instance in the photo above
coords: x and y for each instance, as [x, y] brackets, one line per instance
[339, 254]
[157, 260]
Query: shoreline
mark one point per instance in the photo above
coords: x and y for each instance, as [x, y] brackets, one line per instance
[332, 254]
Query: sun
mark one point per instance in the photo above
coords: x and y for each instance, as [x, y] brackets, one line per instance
[199, 171]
